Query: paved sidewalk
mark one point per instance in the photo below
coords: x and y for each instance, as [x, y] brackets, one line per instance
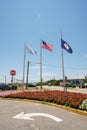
[8, 92]
[4, 93]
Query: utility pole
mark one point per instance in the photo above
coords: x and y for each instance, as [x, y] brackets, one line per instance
[5, 79]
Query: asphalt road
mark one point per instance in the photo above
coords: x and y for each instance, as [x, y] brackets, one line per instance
[9, 109]
[77, 89]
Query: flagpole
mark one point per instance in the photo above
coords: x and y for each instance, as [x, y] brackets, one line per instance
[41, 64]
[28, 63]
[63, 68]
[63, 71]
[24, 66]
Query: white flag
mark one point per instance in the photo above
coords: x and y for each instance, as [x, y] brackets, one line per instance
[30, 50]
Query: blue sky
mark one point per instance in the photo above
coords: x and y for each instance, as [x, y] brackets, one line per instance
[32, 20]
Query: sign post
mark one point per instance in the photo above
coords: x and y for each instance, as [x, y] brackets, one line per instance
[12, 73]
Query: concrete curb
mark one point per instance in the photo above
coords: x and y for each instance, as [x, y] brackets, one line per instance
[51, 104]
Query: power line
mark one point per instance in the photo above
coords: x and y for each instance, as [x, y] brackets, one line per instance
[53, 66]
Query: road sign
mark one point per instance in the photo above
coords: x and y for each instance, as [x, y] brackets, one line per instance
[12, 72]
[29, 115]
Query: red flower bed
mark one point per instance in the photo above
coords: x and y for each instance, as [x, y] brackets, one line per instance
[59, 97]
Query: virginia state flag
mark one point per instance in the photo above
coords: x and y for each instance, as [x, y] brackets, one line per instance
[47, 46]
[66, 46]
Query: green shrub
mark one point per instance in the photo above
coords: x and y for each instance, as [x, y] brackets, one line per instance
[83, 106]
[13, 87]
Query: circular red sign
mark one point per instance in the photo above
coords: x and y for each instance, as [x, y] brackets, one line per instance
[12, 72]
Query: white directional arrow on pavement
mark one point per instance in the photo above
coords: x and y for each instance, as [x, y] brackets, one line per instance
[29, 115]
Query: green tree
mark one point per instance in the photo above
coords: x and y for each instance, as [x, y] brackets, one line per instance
[85, 79]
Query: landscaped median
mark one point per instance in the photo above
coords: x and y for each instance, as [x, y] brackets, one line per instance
[69, 99]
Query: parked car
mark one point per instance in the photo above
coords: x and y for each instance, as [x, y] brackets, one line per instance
[31, 85]
[0, 86]
[49, 84]
[5, 87]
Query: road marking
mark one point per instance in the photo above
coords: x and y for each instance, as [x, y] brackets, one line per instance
[29, 115]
